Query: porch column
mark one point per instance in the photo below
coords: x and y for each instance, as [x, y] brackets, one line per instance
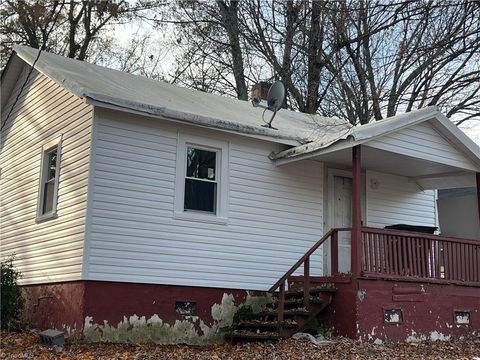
[478, 194]
[356, 210]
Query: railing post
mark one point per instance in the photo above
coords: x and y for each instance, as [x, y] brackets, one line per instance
[478, 194]
[356, 238]
[281, 303]
[306, 283]
[334, 252]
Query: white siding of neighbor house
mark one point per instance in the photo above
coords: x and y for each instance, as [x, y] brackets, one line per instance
[425, 142]
[393, 199]
[52, 250]
[274, 213]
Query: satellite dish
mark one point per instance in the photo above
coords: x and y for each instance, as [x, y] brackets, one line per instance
[276, 96]
[275, 100]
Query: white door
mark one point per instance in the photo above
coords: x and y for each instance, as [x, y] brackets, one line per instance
[342, 218]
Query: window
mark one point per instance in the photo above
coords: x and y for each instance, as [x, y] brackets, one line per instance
[201, 179]
[49, 174]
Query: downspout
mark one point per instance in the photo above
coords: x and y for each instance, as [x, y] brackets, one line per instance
[356, 238]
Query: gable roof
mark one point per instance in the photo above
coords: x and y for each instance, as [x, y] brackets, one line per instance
[365, 133]
[310, 135]
[110, 88]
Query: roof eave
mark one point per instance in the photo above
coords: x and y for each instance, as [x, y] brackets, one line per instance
[193, 120]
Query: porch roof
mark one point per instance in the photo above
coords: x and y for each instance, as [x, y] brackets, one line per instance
[423, 145]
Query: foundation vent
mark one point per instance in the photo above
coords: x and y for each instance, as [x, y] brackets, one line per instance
[462, 317]
[186, 308]
[393, 316]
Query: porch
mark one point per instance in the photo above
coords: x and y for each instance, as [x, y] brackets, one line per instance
[409, 286]
[426, 283]
[397, 284]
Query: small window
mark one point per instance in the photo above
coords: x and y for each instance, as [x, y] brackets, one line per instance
[200, 180]
[49, 174]
[201, 187]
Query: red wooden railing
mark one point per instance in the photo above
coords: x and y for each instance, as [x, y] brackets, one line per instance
[393, 254]
[401, 254]
[305, 262]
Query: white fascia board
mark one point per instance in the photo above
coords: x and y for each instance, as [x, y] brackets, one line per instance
[337, 146]
[445, 181]
[386, 126]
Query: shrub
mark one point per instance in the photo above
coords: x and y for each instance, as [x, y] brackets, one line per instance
[11, 296]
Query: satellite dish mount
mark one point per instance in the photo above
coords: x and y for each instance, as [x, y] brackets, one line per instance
[275, 100]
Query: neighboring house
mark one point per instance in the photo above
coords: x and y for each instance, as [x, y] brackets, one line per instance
[125, 196]
[455, 208]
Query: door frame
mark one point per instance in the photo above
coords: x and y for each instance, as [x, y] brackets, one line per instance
[331, 173]
[330, 191]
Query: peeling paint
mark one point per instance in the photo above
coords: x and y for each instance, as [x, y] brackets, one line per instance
[361, 294]
[436, 336]
[433, 336]
[192, 330]
[415, 338]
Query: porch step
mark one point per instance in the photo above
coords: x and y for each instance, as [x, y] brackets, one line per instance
[299, 301]
[287, 313]
[259, 324]
[264, 326]
[313, 291]
[241, 335]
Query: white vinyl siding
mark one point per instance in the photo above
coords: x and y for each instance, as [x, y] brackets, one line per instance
[393, 199]
[424, 142]
[274, 213]
[49, 251]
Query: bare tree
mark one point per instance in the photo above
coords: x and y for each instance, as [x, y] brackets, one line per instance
[79, 24]
[359, 60]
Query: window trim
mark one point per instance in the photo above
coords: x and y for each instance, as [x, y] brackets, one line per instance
[57, 142]
[222, 150]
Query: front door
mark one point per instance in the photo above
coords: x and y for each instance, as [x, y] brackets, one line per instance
[342, 217]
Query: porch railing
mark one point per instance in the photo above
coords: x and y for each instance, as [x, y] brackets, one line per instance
[305, 262]
[401, 254]
[393, 254]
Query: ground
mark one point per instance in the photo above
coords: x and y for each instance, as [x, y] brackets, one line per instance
[26, 346]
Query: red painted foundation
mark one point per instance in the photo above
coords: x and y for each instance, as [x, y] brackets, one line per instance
[65, 305]
[60, 305]
[357, 310]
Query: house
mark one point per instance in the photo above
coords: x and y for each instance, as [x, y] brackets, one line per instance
[136, 206]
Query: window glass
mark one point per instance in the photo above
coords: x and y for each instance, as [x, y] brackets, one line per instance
[49, 185]
[201, 181]
[201, 163]
[200, 195]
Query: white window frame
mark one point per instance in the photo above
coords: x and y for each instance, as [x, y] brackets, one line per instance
[56, 143]
[221, 176]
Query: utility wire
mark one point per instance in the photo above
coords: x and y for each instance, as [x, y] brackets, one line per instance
[33, 65]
